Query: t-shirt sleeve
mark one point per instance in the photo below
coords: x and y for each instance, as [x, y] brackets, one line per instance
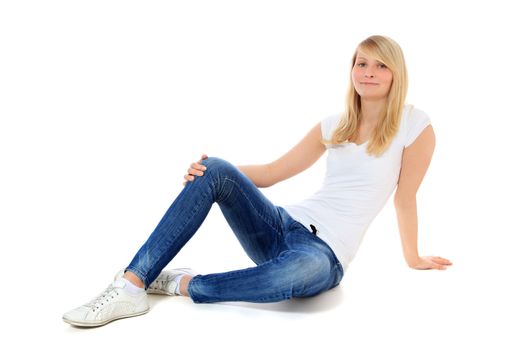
[328, 126]
[417, 121]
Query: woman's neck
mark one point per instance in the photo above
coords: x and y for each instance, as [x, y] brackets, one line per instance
[371, 111]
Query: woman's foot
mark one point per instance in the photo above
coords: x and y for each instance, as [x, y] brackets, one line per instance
[172, 282]
[118, 300]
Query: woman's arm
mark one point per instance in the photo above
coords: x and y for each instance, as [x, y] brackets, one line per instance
[296, 160]
[259, 174]
[299, 158]
[414, 164]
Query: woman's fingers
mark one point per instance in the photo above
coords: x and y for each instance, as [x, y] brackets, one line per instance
[440, 260]
[439, 266]
[432, 262]
[439, 263]
[198, 166]
[196, 169]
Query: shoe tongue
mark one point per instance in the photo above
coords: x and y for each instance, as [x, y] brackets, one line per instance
[119, 274]
[119, 283]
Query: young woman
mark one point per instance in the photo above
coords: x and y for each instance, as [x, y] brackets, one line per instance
[300, 250]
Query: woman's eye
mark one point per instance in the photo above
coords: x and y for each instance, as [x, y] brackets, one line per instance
[381, 65]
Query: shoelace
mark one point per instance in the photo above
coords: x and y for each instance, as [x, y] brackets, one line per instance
[108, 294]
[160, 284]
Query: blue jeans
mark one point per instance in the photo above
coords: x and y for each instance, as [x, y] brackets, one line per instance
[291, 260]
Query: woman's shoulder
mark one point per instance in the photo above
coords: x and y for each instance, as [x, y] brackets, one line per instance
[414, 121]
[412, 117]
[330, 122]
[332, 118]
[411, 112]
[328, 125]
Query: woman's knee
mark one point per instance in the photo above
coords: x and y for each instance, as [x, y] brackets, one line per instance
[221, 175]
[217, 165]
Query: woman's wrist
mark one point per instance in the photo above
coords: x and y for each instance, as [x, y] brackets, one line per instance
[412, 260]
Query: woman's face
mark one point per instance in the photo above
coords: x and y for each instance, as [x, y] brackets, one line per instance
[371, 78]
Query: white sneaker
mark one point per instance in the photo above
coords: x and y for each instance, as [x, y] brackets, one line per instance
[165, 283]
[112, 304]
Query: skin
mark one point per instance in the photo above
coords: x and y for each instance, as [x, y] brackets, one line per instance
[372, 81]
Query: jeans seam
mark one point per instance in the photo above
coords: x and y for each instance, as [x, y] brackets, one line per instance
[252, 204]
[276, 296]
[164, 238]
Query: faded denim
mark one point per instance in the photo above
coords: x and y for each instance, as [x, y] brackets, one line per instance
[291, 260]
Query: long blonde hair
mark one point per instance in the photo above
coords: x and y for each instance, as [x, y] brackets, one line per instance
[388, 52]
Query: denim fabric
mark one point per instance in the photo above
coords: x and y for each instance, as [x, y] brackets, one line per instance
[291, 260]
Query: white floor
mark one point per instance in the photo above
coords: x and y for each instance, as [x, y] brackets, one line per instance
[380, 303]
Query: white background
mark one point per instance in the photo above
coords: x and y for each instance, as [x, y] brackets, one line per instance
[104, 104]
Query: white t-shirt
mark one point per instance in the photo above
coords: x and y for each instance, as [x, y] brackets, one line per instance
[356, 186]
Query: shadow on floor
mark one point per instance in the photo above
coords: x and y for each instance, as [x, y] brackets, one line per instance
[320, 303]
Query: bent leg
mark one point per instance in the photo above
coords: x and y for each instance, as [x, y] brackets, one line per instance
[238, 198]
[258, 224]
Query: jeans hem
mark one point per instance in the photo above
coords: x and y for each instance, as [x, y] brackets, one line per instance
[192, 295]
[138, 273]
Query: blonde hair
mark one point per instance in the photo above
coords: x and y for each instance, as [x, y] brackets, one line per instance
[389, 53]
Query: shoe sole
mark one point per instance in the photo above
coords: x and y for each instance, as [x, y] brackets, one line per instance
[82, 324]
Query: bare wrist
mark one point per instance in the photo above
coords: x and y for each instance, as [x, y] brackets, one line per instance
[412, 260]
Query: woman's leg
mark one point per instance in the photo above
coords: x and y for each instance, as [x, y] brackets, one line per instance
[257, 223]
[305, 268]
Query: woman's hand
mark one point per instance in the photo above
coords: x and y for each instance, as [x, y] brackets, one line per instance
[196, 169]
[430, 262]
